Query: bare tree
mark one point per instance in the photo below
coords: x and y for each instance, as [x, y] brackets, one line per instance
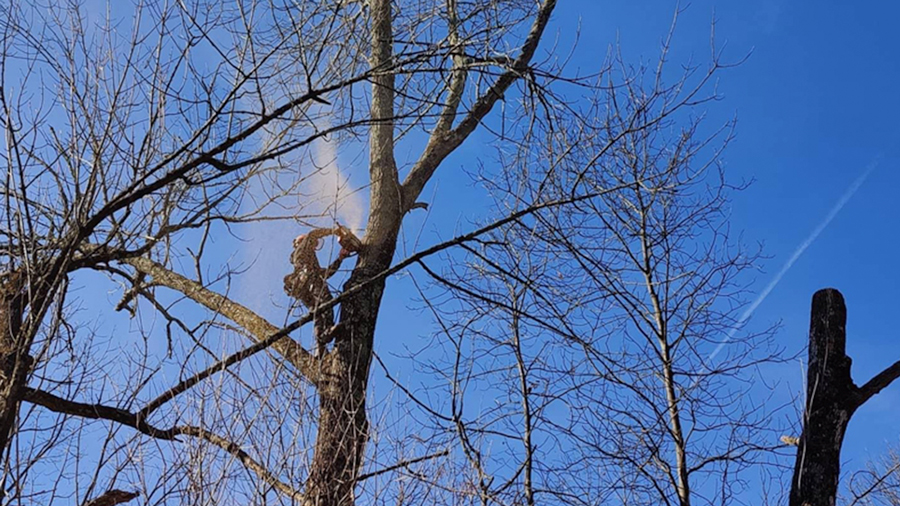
[132, 143]
[594, 308]
[879, 484]
[608, 334]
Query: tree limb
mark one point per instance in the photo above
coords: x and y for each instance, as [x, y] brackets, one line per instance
[402, 464]
[878, 383]
[458, 74]
[96, 412]
[112, 498]
[256, 325]
[312, 375]
[385, 192]
[137, 422]
[443, 142]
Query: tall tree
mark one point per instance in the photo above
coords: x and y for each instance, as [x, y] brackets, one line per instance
[608, 334]
[130, 149]
[134, 152]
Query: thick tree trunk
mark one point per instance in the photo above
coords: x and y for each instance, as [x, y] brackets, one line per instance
[14, 363]
[13, 374]
[343, 425]
[831, 399]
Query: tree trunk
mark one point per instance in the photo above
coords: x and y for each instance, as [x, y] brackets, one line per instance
[14, 363]
[831, 399]
[343, 425]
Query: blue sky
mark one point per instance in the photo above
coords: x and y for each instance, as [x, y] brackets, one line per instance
[816, 104]
[816, 107]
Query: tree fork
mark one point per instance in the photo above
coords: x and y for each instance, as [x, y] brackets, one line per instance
[831, 400]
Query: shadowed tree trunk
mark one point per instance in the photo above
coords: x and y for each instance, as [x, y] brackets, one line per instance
[12, 369]
[831, 400]
[829, 403]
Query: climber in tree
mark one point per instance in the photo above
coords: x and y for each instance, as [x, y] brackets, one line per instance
[308, 282]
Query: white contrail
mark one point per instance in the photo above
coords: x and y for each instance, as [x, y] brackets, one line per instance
[799, 251]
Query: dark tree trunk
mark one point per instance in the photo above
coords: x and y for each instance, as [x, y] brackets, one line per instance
[343, 424]
[13, 373]
[14, 361]
[830, 402]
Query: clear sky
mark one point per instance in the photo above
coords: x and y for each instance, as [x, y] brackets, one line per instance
[817, 111]
[817, 105]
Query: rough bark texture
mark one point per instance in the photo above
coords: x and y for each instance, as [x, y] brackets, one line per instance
[14, 362]
[258, 327]
[343, 427]
[830, 402]
[831, 399]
